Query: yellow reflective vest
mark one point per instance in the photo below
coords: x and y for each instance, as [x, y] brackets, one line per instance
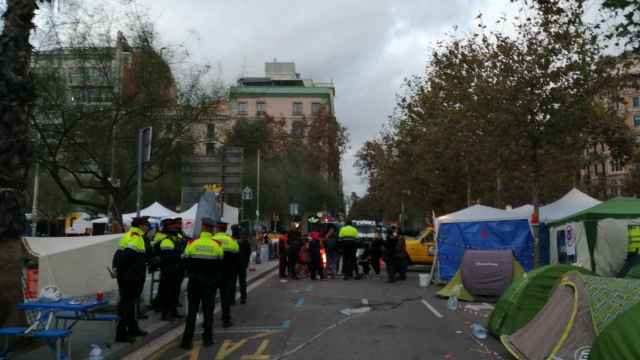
[133, 239]
[348, 233]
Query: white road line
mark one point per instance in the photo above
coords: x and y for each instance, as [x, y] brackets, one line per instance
[433, 310]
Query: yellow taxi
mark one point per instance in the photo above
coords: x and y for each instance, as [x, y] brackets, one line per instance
[421, 250]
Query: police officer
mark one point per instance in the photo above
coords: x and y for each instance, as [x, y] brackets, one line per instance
[203, 259]
[294, 240]
[130, 265]
[170, 273]
[155, 257]
[243, 261]
[348, 240]
[229, 265]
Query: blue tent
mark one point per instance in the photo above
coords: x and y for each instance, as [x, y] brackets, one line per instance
[483, 228]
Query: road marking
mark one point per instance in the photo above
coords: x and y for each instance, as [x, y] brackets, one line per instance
[433, 310]
[195, 353]
[300, 301]
[228, 347]
[259, 354]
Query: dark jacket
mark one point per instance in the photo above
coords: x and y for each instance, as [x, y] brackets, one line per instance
[244, 255]
[314, 250]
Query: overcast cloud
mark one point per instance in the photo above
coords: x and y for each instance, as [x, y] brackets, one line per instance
[366, 47]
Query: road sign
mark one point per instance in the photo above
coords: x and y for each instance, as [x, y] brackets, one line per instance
[293, 209]
[145, 136]
[247, 193]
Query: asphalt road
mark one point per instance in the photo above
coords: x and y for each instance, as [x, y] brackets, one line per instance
[304, 319]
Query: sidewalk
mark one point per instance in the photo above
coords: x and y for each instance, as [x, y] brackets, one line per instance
[86, 333]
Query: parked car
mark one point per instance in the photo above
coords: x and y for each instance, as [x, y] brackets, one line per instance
[422, 249]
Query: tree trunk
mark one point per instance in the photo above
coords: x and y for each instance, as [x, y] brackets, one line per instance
[499, 189]
[468, 177]
[16, 95]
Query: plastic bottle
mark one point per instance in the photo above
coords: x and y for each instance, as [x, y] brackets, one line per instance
[96, 353]
[478, 331]
[452, 303]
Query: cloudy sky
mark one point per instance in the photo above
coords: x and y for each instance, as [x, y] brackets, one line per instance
[366, 47]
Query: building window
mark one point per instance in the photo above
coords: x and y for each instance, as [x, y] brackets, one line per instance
[636, 120]
[211, 149]
[297, 129]
[315, 108]
[242, 107]
[260, 107]
[211, 132]
[636, 101]
[297, 108]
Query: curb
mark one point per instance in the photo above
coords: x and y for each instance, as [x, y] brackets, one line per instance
[155, 341]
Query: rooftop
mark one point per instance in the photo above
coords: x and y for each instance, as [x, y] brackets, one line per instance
[243, 90]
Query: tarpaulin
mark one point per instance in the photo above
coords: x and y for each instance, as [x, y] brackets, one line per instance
[455, 238]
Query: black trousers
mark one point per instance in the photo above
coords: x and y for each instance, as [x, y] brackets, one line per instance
[375, 263]
[315, 268]
[390, 267]
[169, 289]
[282, 264]
[225, 298]
[349, 261]
[130, 290]
[199, 293]
[242, 282]
[292, 260]
[400, 265]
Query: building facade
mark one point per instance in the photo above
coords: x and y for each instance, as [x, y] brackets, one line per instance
[606, 177]
[283, 94]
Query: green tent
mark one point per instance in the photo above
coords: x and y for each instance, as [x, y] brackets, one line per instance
[601, 234]
[525, 298]
[586, 317]
[619, 340]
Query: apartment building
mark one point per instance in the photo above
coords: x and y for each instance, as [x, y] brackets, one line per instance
[283, 94]
[606, 177]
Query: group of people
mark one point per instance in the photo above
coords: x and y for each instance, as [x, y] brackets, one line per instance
[214, 262]
[301, 255]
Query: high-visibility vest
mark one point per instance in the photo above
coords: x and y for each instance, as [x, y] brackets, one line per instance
[158, 237]
[634, 239]
[348, 233]
[227, 242]
[133, 239]
[204, 247]
[167, 244]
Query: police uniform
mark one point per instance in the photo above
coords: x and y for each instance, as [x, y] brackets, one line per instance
[130, 265]
[155, 257]
[229, 272]
[242, 263]
[348, 240]
[170, 275]
[203, 259]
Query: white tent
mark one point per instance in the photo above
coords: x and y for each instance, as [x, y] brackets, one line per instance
[155, 210]
[77, 265]
[230, 215]
[480, 213]
[572, 202]
[524, 211]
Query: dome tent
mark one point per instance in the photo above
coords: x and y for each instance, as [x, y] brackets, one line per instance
[526, 297]
[481, 228]
[583, 312]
